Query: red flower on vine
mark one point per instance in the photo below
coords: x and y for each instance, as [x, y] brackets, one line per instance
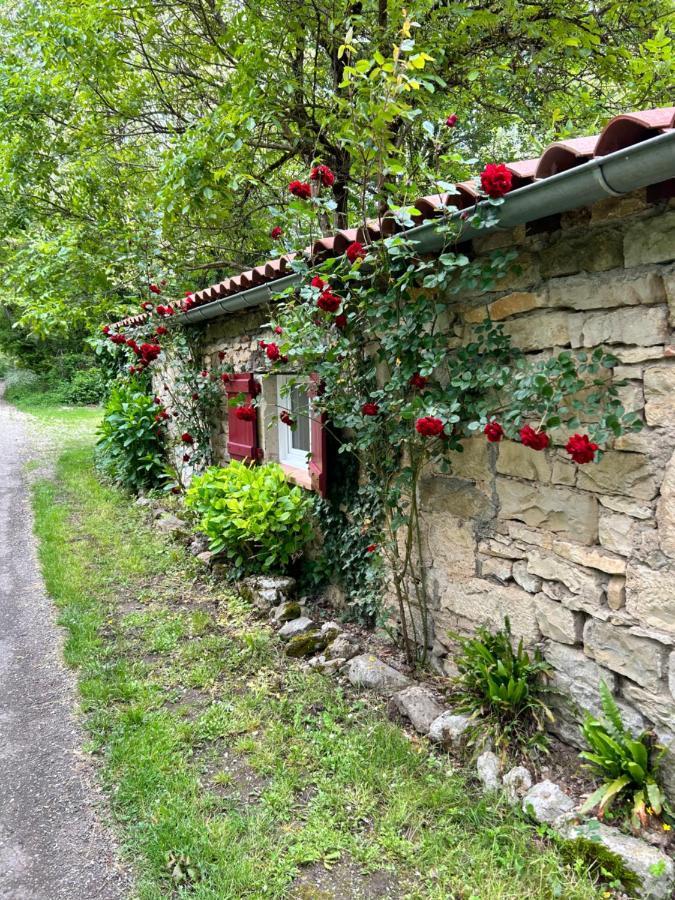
[154, 289]
[341, 321]
[370, 409]
[329, 301]
[278, 330]
[496, 180]
[323, 174]
[451, 121]
[429, 426]
[493, 432]
[355, 251]
[105, 329]
[300, 189]
[161, 329]
[319, 283]
[272, 351]
[581, 449]
[221, 355]
[149, 352]
[371, 548]
[536, 440]
[418, 381]
[276, 232]
[245, 413]
[147, 306]
[286, 418]
[186, 457]
[132, 370]
[118, 339]
[187, 438]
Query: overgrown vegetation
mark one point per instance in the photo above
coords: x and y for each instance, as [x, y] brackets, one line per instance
[628, 766]
[252, 516]
[229, 771]
[503, 690]
[83, 387]
[130, 449]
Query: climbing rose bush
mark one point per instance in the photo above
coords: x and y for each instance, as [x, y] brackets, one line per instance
[496, 180]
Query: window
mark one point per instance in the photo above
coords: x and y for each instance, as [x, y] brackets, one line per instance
[294, 443]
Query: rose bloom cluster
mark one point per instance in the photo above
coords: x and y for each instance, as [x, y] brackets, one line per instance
[579, 446]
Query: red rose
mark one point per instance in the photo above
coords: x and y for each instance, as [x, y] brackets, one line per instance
[581, 449]
[300, 189]
[355, 251]
[155, 289]
[286, 418]
[118, 339]
[245, 413]
[328, 301]
[147, 306]
[537, 440]
[418, 381]
[317, 282]
[341, 321]
[370, 409]
[195, 396]
[187, 438]
[189, 301]
[276, 232]
[224, 377]
[161, 329]
[451, 121]
[496, 180]
[149, 352]
[429, 426]
[272, 352]
[105, 329]
[221, 355]
[132, 370]
[493, 432]
[204, 373]
[186, 457]
[278, 330]
[322, 174]
[371, 548]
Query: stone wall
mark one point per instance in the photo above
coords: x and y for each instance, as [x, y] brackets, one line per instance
[579, 557]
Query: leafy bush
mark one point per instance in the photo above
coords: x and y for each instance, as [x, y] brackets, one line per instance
[625, 764]
[503, 688]
[81, 387]
[86, 386]
[252, 515]
[129, 449]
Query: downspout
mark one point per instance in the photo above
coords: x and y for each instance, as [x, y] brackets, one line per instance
[618, 173]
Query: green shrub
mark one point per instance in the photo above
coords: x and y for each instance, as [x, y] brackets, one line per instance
[130, 445]
[252, 515]
[85, 387]
[626, 764]
[503, 689]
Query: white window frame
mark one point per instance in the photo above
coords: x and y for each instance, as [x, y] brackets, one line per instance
[289, 455]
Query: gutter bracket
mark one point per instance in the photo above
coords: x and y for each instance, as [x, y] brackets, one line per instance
[599, 176]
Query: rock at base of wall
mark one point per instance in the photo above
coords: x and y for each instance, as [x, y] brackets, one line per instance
[419, 705]
[546, 802]
[295, 627]
[488, 770]
[367, 671]
[448, 728]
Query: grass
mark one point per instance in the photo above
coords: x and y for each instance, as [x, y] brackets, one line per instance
[229, 771]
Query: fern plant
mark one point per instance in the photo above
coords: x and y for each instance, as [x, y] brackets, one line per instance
[626, 764]
[503, 688]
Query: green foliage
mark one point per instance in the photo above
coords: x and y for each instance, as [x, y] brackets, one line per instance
[130, 445]
[626, 764]
[503, 689]
[252, 515]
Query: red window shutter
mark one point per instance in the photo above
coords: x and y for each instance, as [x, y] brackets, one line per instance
[242, 436]
[319, 457]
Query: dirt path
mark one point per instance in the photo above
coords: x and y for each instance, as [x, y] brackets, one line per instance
[52, 845]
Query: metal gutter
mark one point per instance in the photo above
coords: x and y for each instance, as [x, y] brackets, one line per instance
[621, 172]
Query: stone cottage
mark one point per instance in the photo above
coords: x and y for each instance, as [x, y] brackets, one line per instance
[580, 558]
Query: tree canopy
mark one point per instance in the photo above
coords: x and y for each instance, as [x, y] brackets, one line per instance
[155, 139]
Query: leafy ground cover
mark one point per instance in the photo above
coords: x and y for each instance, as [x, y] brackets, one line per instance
[230, 772]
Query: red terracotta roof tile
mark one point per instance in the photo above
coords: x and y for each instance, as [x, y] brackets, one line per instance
[622, 131]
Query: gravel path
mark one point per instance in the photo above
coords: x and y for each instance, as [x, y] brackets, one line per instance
[52, 845]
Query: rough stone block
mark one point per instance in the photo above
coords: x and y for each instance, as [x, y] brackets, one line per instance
[617, 288]
[650, 596]
[546, 802]
[619, 207]
[616, 592]
[474, 461]
[658, 707]
[539, 331]
[514, 303]
[563, 472]
[522, 462]
[585, 582]
[629, 507]
[555, 509]
[584, 252]
[665, 511]
[590, 557]
[632, 325]
[368, 671]
[629, 474]
[450, 544]
[496, 568]
[528, 582]
[616, 532]
[639, 659]
[659, 384]
[557, 622]
[484, 602]
[457, 497]
[524, 274]
[650, 240]
[448, 728]
[419, 705]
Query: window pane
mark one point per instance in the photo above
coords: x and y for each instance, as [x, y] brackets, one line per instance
[300, 411]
